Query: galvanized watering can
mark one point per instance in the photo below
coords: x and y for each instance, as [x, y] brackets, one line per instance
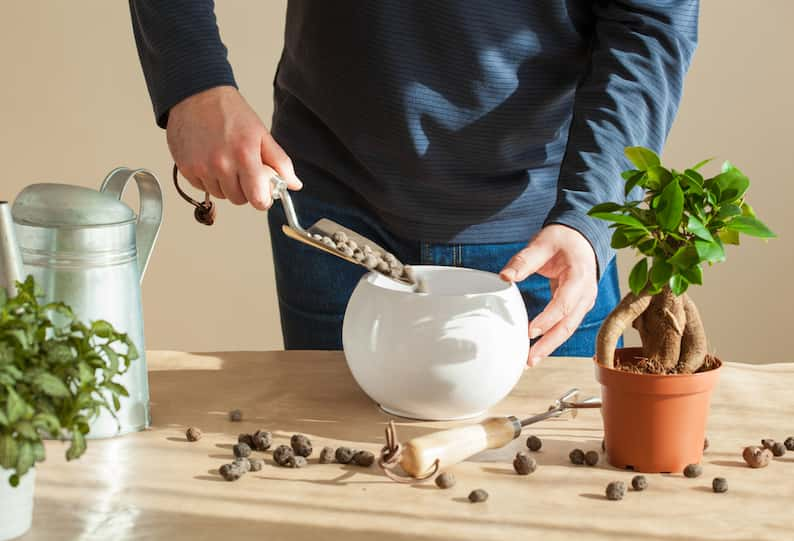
[89, 249]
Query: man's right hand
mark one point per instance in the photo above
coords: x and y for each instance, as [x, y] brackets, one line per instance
[221, 146]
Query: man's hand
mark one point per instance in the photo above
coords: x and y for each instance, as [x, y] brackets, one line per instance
[566, 258]
[221, 146]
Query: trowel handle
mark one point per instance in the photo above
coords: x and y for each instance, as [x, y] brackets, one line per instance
[449, 447]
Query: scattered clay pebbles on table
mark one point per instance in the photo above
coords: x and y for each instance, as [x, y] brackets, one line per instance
[193, 434]
[693, 470]
[719, 485]
[327, 455]
[524, 464]
[639, 483]
[576, 457]
[534, 443]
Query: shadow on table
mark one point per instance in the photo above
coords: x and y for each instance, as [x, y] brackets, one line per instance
[315, 395]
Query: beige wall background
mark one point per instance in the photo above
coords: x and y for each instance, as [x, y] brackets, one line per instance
[73, 105]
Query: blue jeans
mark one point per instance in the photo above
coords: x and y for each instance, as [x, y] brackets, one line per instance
[314, 287]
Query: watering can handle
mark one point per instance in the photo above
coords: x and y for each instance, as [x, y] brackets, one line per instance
[150, 214]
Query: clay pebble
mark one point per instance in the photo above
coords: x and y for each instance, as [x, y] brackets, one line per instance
[591, 458]
[241, 450]
[344, 455]
[789, 443]
[534, 443]
[693, 470]
[193, 434]
[340, 236]
[235, 416]
[576, 457]
[524, 464]
[327, 455]
[282, 455]
[615, 490]
[371, 262]
[719, 485]
[230, 472]
[478, 495]
[261, 440]
[364, 459]
[778, 449]
[245, 438]
[301, 445]
[296, 462]
[767, 443]
[257, 464]
[639, 483]
[757, 457]
[445, 480]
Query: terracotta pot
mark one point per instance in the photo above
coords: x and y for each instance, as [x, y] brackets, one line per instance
[654, 423]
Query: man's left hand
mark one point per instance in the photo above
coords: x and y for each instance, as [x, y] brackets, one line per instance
[567, 259]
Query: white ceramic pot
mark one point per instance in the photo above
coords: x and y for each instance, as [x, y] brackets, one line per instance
[16, 504]
[449, 354]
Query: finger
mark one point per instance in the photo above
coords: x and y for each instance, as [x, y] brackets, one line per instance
[558, 334]
[213, 187]
[255, 182]
[226, 172]
[527, 262]
[274, 156]
[564, 301]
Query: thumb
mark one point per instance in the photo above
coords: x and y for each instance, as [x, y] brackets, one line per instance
[274, 156]
[527, 261]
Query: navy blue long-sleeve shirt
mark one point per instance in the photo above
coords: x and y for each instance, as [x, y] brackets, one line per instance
[459, 121]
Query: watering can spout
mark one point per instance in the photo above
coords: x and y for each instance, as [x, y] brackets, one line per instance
[10, 257]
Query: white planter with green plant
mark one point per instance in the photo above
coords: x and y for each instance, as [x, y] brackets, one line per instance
[56, 374]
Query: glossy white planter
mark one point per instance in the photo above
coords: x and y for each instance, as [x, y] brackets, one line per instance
[449, 354]
[16, 504]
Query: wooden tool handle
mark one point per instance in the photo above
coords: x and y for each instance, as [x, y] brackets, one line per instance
[455, 445]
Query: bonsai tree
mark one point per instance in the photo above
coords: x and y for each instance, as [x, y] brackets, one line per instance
[55, 376]
[683, 221]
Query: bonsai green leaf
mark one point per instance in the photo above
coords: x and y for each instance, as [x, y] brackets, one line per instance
[658, 177]
[671, 206]
[693, 274]
[9, 450]
[638, 276]
[642, 158]
[25, 459]
[77, 447]
[633, 181]
[47, 422]
[660, 273]
[3, 297]
[678, 284]
[694, 177]
[712, 252]
[51, 385]
[731, 183]
[113, 358]
[116, 403]
[626, 236]
[684, 257]
[729, 237]
[728, 211]
[697, 228]
[627, 174]
[750, 226]
[701, 164]
[604, 207]
[747, 210]
[21, 337]
[3, 419]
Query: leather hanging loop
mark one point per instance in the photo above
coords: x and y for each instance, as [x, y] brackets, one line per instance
[204, 211]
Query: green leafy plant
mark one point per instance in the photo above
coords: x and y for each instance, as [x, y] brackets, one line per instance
[56, 374]
[683, 220]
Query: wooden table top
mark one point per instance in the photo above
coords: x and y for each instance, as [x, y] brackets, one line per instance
[156, 485]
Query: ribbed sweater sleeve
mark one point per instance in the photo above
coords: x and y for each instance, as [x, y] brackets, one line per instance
[180, 50]
[641, 51]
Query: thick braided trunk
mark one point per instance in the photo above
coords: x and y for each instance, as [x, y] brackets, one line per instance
[672, 334]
